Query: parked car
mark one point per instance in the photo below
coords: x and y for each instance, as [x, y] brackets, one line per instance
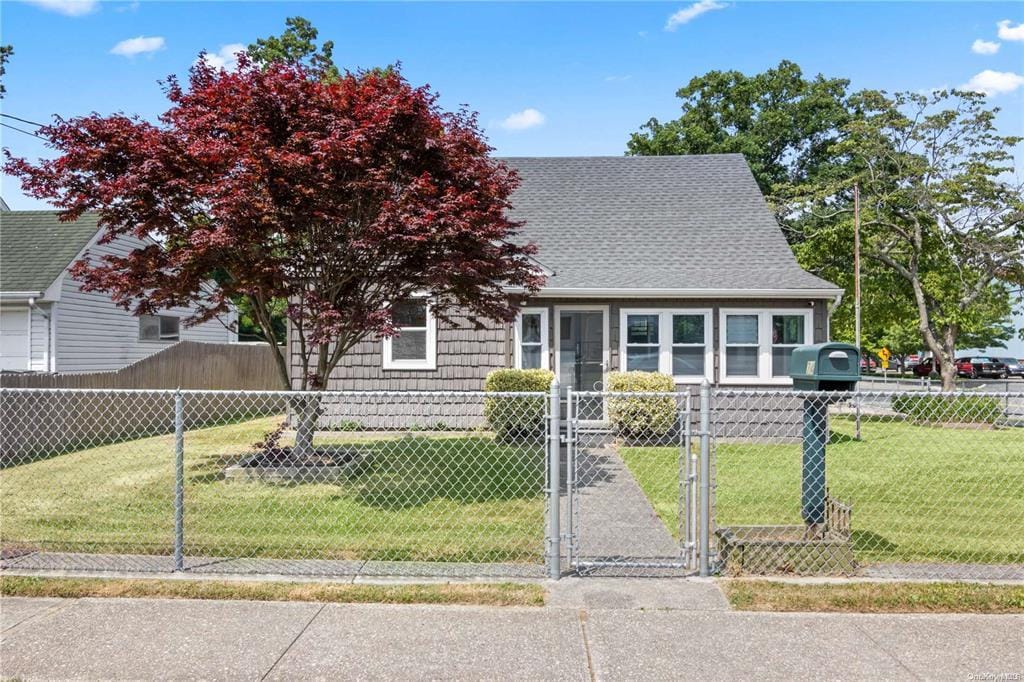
[1014, 366]
[981, 366]
[924, 368]
[867, 364]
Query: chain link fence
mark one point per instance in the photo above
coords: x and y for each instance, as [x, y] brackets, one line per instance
[883, 484]
[332, 483]
[461, 484]
[631, 478]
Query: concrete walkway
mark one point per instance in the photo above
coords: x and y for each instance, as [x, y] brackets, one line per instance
[591, 629]
[616, 520]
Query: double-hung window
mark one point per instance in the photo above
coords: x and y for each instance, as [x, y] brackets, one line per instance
[756, 345]
[675, 342]
[415, 346]
[532, 339]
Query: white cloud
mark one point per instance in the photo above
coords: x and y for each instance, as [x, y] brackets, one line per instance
[688, 14]
[226, 57]
[70, 8]
[992, 82]
[127, 6]
[617, 79]
[138, 45]
[980, 46]
[521, 120]
[1009, 32]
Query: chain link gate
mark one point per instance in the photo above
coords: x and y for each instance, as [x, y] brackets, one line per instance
[631, 483]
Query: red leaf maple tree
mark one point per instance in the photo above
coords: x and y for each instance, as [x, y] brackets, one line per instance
[340, 196]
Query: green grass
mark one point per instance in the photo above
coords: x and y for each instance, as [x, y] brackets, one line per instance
[918, 493]
[866, 597]
[428, 497]
[480, 594]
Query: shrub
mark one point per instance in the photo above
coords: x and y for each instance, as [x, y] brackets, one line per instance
[642, 417]
[974, 409]
[516, 418]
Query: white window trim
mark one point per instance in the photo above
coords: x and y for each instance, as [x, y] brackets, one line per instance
[545, 361]
[430, 362]
[665, 344]
[764, 338]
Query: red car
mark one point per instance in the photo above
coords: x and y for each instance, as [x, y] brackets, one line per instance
[972, 368]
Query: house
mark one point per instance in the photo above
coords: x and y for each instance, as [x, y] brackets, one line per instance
[672, 264]
[48, 324]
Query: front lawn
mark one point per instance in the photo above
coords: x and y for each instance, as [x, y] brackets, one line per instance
[918, 493]
[433, 497]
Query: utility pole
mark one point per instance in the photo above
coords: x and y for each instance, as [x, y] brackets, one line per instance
[856, 265]
[856, 289]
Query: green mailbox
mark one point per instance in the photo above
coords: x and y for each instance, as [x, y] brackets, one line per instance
[825, 367]
[819, 369]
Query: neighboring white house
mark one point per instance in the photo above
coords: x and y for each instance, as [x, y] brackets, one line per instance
[48, 324]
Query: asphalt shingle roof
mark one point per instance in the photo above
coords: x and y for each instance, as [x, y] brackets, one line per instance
[654, 222]
[35, 247]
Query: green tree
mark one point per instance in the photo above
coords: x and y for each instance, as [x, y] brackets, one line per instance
[938, 212]
[782, 122]
[6, 51]
[297, 45]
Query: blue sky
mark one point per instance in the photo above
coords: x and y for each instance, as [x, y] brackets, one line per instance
[591, 73]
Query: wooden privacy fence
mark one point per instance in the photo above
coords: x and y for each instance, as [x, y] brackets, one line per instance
[186, 364]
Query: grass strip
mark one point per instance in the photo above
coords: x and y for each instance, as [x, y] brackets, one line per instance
[479, 594]
[865, 597]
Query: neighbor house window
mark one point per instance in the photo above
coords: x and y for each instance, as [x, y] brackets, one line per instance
[159, 328]
[675, 342]
[415, 345]
[757, 344]
[532, 339]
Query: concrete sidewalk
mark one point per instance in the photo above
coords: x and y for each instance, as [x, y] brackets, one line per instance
[591, 629]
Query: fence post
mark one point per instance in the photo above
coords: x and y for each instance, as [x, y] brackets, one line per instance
[179, 481]
[554, 484]
[705, 477]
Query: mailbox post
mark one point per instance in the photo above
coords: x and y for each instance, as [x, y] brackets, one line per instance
[819, 367]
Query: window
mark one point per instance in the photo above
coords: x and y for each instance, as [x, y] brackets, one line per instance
[643, 348]
[757, 345]
[159, 328]
[415, 346]
[742, 345]
[689, 345]
[787, 334]
[532, 339]
[675, 342]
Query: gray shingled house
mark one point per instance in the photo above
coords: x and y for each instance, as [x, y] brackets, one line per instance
[672, 264]
[48, 324]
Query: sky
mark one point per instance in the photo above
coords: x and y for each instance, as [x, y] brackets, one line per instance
[547, 79]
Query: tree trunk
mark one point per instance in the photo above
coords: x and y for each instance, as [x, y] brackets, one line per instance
[307, 408]
[947, 370]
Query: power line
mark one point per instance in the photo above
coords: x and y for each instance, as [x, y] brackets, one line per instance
[21, 130]
[23, 120]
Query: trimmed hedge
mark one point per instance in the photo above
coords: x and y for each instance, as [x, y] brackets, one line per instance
[958, 409]
[642, 417]
[512, 418]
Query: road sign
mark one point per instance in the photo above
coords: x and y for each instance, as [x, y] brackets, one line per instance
[884, 355]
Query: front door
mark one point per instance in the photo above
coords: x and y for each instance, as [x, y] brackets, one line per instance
[581, 347]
